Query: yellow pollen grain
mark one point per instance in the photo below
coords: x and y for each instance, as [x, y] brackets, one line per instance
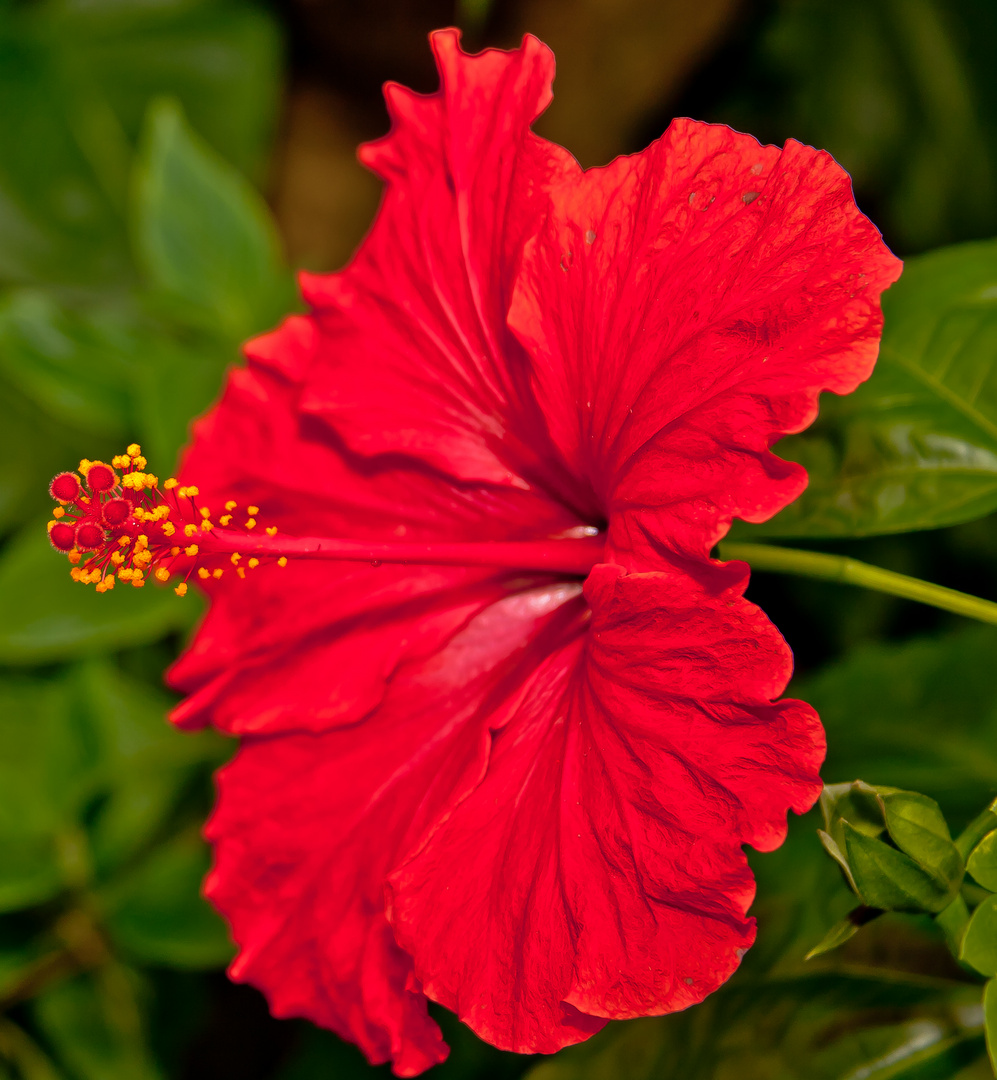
[252, 510]
[192, 491]
[181, 589]
[73, 556]
[169, 529]
[121, 461]
[137, 582]
[84, 466]
[282, 561]
[163, 574]
[133, 449]
[202, 573]
[253, 563]
[272, 530]
[231, 505]
[58, 512]
[124, 574]
[141, 542]
[174, 551]
[108, 582]
[52, 524]
[250, 523]
[117, 558]
[206, 526]
[225, 519]
[190, 530]
[204, 512]
[242, 573]
[171, 483]
[217, 573]
[235, 558]
[138, 461]
[191, 551]
[124, 541]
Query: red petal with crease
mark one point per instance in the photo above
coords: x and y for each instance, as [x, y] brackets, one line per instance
[683, 308]
[601, 870]
[308, 826]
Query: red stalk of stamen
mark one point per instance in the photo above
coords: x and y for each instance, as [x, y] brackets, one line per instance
[566, 556]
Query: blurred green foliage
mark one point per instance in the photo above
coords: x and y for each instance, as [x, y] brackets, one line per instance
[136, 253]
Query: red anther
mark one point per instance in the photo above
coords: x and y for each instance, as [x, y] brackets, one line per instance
[100, 477]
[89, 536]
[62, 535]
[65, 487]
[116, 511]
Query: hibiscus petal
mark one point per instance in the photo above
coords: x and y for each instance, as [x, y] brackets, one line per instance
[420, 359]
[683, 308]
[331, 634]
[597, 870]
[300, 866]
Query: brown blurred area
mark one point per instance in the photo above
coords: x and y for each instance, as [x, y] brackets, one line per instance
[619, 61]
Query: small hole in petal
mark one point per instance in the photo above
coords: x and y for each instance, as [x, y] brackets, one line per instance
[749, 197]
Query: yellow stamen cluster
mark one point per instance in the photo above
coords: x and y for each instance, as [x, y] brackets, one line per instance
[117, 551]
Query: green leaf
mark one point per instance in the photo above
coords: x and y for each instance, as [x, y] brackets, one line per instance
[202, 234]
[221, 60]
[889, 879]
[920, 715]
[982, 862]
[145, 763]
[76, 367]
[990, 1020]
[844, 931]
[158, 915]
[47, 616]
[75, 80]
[22, 1053]
[979, 942]
[95, 1023]
[917, 827]
[916, 446]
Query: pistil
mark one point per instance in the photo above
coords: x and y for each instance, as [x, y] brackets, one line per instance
[124, 527]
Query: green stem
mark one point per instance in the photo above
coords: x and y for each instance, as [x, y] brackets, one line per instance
[841, 568]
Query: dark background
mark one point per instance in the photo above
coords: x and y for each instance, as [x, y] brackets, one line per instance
[110, 964]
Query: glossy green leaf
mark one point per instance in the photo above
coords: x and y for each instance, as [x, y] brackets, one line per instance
[47, 616]
[95, 1025]
[158, 915]
[203, 235]
[982, 862]
[916, 825]
[979, 942]
[916, 446]
[887, 878]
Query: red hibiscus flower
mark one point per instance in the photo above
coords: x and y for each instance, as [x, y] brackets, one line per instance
[505, 724]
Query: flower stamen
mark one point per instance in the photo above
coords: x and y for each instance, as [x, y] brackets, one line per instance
[124, 526]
